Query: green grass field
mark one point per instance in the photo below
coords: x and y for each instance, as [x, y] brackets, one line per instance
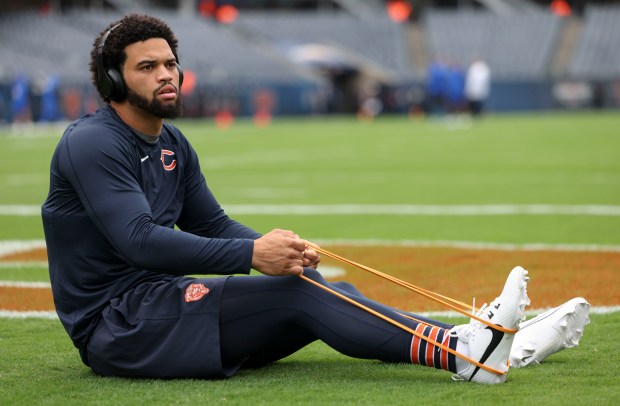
[555, 160]
[562, 159]
[42, 367]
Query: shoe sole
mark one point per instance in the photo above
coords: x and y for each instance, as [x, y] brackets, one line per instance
[573, 317]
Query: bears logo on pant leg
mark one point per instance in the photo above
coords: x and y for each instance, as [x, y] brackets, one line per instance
[195, 292]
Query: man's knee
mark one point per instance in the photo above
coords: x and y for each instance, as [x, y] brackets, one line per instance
[347, 287]
[342, 286]
[313, 274]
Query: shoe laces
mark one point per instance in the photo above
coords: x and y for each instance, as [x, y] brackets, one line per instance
[465, 331]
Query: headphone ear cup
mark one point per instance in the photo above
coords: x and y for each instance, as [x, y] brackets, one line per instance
[117, 88]
[104, 84]
[180, 75]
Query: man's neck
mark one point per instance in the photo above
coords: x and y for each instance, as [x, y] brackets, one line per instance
[138, 119]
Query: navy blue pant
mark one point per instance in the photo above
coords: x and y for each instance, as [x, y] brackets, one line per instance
[264, 319]
[155, 330]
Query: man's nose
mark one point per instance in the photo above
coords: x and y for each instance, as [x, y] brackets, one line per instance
[164, 74]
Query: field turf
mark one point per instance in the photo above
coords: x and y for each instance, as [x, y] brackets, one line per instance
[558, 161]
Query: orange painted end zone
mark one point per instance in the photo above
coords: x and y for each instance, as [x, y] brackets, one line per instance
[555, 276]
[22, 299]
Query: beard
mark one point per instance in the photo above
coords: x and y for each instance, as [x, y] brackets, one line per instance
[155, 107]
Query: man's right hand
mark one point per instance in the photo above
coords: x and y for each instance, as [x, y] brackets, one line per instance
[279, 252]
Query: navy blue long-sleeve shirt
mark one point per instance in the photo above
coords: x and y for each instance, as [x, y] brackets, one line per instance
[109, 218]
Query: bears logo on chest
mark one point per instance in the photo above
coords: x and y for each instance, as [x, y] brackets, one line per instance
[172, 163]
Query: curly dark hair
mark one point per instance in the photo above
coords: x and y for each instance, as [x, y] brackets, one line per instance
[128, 30]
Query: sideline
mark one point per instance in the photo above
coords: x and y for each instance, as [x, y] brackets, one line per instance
[384, 210]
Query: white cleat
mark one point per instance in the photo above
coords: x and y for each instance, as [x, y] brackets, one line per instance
[550, 332]
[487, 345]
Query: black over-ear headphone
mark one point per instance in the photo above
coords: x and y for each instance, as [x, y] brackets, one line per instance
[110, 81]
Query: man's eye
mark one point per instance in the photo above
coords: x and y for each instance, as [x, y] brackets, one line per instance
[147, 67]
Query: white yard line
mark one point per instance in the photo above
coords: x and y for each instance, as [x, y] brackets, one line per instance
[19, 210]
[28, 314]
[529, 312]
[25, 284]
[15, 246]
[471, 245]
[425, 210]
[385, 210]
[35, 314]
[22, 264]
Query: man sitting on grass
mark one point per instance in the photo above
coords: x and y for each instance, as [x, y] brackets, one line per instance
[121, 180]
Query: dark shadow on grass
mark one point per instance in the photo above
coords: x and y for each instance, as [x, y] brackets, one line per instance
[346, 370]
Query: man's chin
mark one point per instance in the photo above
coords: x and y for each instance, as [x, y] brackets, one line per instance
[170, 109]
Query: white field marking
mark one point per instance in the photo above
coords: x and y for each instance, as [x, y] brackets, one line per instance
[424, 210]
[385, 210]
[15, 246]
[24, 264]
[28, 314]
[329, 271]
[20, 210]
[471, 245]
[34, 314]
[529, 313]
[326, 270]
[24, 284]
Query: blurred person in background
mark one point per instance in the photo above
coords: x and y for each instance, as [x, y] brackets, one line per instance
[455, 93]
[436, 86]
[477, 86]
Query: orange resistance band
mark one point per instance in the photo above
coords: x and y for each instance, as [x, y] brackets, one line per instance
[424, 292]
[403, 327]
